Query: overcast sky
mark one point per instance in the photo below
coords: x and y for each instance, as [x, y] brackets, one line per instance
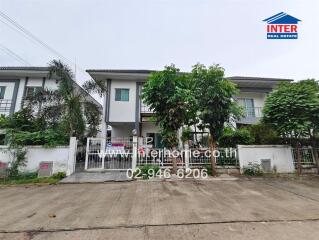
[148, 34]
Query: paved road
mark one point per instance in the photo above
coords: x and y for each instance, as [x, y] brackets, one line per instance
[258, 209]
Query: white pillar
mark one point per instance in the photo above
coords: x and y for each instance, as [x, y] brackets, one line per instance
[72, 156]
[87, 153]
[102, 151]
[134, 152]
[187, 155]
[103, 122]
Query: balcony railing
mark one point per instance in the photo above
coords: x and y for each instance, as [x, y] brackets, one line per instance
[249, 113]
[255, 112]
[5, 105]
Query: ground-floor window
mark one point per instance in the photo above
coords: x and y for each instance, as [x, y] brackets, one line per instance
[155, 140]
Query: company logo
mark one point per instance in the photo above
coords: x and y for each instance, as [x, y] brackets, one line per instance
[282, 26]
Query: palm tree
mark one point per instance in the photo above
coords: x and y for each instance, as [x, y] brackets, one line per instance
[68, 106]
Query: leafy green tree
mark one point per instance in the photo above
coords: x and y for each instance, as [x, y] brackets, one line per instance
[22, 120]
[214, 102]
[68, 106]
[169, 95]
[293, 111]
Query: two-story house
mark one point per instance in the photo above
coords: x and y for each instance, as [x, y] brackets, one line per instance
[125, 113]
[18, 83]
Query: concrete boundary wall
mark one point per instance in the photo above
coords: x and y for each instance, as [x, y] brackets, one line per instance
[280, 156]
[63, 157]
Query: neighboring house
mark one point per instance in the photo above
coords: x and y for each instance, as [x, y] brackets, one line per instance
[19, 83]
[124, 112]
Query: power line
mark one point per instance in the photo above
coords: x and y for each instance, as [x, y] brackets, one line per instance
[14, 55]
[28, 33]
[19, 28]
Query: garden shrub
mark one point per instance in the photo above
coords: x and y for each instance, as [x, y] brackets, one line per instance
[59, 175]
[253, 170]
[19, 155]
[233, 137]
[48, 138]
[263, 134]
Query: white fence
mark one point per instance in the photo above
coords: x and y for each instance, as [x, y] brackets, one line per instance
[158, 156]
[125, 153]
[278, 157]
[62, 157]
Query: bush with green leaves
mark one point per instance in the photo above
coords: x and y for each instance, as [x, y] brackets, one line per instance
[233, 137]
[48, 138]
[19, 155]
[59, 175]
[253, 170]
[263, 134]
[293, 111]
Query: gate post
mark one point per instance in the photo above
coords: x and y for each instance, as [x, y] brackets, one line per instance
[87, 153]
[72, 156]
[102, 151]
[134, 152]
[187, 153]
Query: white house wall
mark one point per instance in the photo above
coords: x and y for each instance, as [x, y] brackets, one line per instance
[149, 127]
[33, 82]
[121, 111]
[122, 130]
[19, 95]
[50, 84]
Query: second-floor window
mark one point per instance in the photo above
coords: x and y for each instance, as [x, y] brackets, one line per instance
[2, 91]
[31, 91]
[122, 94]
[248, 104]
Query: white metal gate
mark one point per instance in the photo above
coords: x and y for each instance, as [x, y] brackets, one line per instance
[108, 153]
[147, 154]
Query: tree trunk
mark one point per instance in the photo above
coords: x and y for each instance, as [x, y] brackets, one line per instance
[298, 158]
[212, 147]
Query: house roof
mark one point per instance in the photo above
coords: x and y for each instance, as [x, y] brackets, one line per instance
[25, 68]
[37, 72]
[259, 78]
[282, 18]
[244, 83]
[121, 70]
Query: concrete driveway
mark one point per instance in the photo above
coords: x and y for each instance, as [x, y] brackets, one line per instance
[243, 209]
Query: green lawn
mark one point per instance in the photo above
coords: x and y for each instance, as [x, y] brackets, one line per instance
[31, 178]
